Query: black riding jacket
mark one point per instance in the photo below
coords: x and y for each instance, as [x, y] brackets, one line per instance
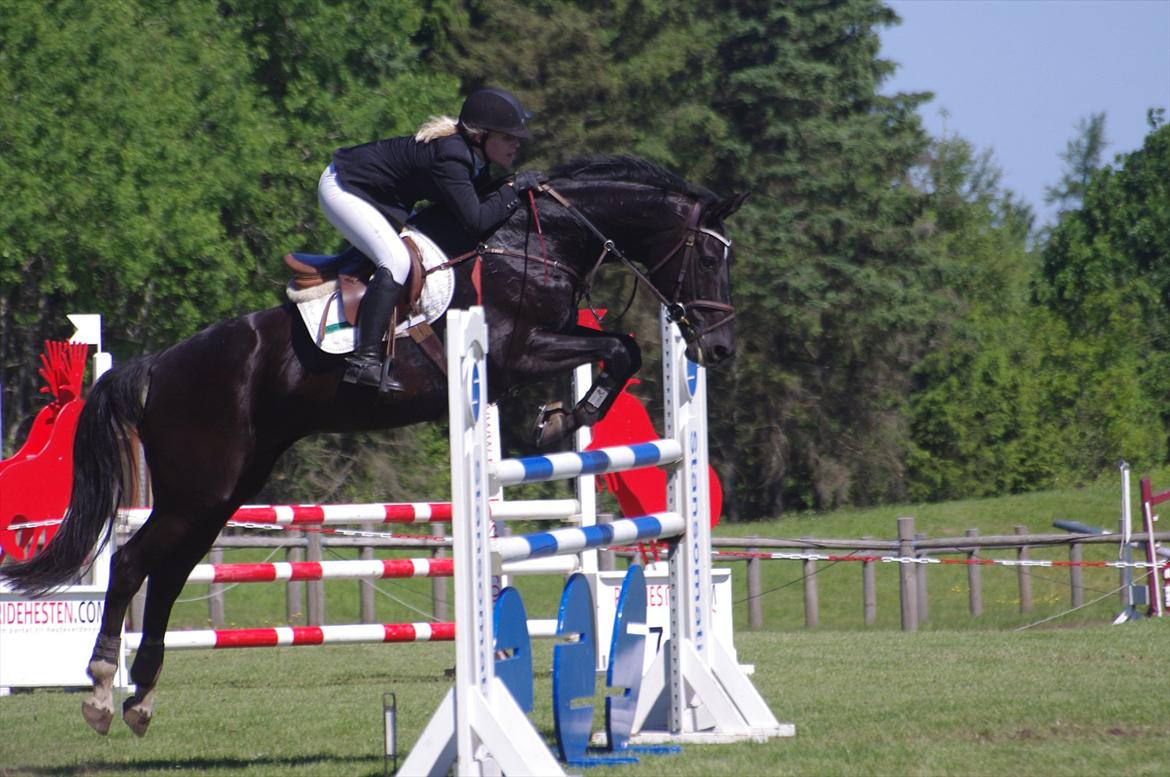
[396, 173]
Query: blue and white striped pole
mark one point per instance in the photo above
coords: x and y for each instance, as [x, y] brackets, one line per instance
[562, 541]
[560, 466]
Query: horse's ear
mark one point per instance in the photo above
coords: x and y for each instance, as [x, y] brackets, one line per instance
[726, 207]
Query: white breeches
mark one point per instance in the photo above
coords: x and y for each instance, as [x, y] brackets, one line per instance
[363, 226]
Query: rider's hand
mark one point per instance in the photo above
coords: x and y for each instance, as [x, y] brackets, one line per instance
[529, 179]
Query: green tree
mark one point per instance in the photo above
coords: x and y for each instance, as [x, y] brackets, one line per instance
[128, 155]
[1054, 364]
[1106, 274]
[160, 157]
[977, 411]
[632, 76]
[331, 74]
[1082, 158]
[833, 288]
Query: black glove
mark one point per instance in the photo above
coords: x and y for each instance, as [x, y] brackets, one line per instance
[529, 179]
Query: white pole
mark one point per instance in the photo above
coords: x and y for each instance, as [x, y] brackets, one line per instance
[89, 330]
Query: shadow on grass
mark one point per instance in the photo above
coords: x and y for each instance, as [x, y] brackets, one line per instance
[198, 765]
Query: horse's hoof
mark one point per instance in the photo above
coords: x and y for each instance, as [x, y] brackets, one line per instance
[97, 716]
[553, 424]
[136, 717]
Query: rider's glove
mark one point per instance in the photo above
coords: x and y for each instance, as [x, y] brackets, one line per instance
[529, 179]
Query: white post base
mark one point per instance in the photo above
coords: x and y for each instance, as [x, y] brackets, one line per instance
[721, 706]
[506, 739]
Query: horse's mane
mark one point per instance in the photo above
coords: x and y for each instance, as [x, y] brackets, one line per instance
[630, 170]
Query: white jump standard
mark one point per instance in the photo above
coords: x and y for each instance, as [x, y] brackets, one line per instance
[479, 729]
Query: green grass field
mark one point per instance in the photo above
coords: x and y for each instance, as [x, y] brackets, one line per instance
[1071, 696]
[1089, 701]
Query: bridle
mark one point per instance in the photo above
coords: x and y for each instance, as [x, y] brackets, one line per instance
[687, 245]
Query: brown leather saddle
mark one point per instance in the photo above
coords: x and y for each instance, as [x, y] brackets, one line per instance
[352, 269]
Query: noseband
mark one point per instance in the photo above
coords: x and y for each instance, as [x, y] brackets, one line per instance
[687, 245]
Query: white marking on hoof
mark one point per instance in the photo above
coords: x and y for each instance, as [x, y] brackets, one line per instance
[96, 716]
[138, 711]
[98, 709]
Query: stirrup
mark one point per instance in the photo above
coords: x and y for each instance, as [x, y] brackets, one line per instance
[372, 373]
[386, 381]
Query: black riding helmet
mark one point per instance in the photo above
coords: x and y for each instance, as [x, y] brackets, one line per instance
[496, 110]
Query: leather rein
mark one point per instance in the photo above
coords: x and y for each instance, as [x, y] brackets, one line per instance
[687, 244]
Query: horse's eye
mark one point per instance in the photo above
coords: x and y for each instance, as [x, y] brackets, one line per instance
[708, 262]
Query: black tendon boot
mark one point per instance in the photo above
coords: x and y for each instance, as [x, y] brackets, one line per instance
[365, 363]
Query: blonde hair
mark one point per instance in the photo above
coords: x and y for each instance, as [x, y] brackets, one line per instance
[440, 127]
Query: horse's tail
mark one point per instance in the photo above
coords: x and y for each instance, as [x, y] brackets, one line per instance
[104, 459]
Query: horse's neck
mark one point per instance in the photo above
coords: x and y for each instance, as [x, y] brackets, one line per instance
[634, 217]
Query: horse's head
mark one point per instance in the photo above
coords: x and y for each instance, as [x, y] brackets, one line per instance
[675, 231]
[694, 276]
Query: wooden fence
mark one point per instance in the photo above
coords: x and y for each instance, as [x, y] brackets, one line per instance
[305, 601]
[913, 588]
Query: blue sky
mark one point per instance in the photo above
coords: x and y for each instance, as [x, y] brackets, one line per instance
[1017, 76]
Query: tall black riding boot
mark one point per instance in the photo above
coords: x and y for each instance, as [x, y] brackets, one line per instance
[365, 363]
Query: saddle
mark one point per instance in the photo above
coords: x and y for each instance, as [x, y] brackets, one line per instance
[328, 290]
[352, 269]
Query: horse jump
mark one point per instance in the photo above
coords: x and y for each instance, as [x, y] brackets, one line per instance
[479, 726]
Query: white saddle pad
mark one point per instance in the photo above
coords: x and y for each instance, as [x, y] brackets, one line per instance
[325, 300]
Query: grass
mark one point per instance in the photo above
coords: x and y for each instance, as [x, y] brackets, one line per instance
[964, 696]
[1046, 702]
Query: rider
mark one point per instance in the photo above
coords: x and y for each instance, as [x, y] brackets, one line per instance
[368, 191]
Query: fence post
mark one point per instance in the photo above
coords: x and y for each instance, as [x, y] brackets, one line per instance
[316, 588]
[812, 607]
[868, 590]
[1024, 575]
[215, 591]
[366, 587]
[974, 579]
[755, 602]
[923, 603]
[908, 583]
[439, 584]
[1076, 554]
[294, 589]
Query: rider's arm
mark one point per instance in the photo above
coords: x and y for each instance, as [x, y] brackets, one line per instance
[453, 175]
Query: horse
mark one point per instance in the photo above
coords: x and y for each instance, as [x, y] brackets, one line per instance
[214, 412]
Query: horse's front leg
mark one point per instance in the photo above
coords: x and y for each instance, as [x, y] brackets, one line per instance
[620, 356]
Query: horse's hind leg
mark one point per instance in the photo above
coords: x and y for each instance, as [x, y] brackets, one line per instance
[138, 708]
[169, 569]
[126, 575]
[98, 708]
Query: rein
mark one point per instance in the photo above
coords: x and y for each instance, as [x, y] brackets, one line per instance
[675, 311]
[483, 249]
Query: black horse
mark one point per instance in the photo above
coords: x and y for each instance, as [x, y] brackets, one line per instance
[215, 412]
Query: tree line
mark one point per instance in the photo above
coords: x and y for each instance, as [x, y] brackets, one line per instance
[904, 331]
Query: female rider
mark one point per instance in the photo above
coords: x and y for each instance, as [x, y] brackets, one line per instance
[368, 191]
